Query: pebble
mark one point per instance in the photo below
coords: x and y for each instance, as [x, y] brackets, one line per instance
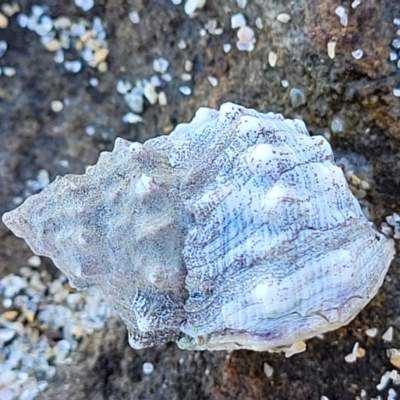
[73, 66]
[147, 368]
[283, 17]
[342, 14]
[227, 47]
[213, 81]
[259, 23]
[357, 54]
[396, 43]
[272, 58]
[3, 21]
[56, 106]
[297, 97]
[85, 5]
[58, 57]
[150, 93]
[134, 17]
[62, 23]
[384, 382]
[245, 39]
[237, 21]
[192, 5]
[388, 335]
[337, 125]
[22, 20]
[53, 45]
[100, 55]
[34, 261]
[186, 77]
[131, 118]
[123, 86]
[134, 100]
[10, 9]
[182, 44]
[394, 355]
[331, 47]
[162, 99]
[90, 130]
[102, 67]
[268, 370]
[371, 332]
[10, 315]
[245, 34]
[185, 90]
[3, 47]
[241, 3]
[160, 65]
[9, 71]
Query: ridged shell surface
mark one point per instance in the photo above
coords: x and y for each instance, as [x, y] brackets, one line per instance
[235, 231]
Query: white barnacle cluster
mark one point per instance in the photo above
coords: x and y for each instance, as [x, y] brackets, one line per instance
[235, 231]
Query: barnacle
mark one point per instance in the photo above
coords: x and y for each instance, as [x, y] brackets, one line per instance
[235, 231]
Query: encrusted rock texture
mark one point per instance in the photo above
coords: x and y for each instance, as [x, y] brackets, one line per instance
[359, 92]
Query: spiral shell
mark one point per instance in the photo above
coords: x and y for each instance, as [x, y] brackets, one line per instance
[235, 231]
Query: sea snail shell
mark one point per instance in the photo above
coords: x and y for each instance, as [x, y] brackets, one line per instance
[235, 231]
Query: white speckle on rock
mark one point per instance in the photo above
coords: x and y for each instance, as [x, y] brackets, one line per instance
[396, 92]
[355, 3]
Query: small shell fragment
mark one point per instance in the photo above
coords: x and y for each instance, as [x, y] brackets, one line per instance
[237, 230]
